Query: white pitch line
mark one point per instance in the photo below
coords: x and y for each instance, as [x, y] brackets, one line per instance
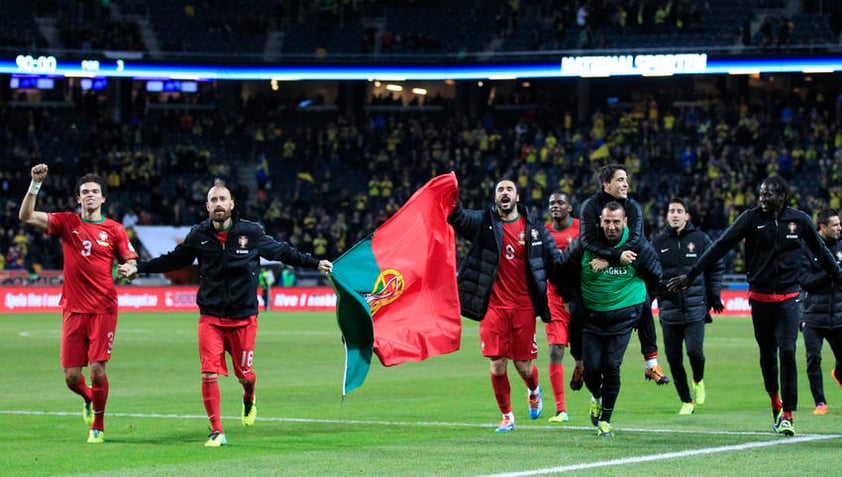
[668, 455]
[524, 428]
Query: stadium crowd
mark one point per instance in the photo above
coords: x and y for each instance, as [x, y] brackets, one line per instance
[323, 184]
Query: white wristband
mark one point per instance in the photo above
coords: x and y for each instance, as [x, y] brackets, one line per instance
[34, 187]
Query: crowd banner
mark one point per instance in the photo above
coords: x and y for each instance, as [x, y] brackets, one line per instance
[37, 299]
[41, 299]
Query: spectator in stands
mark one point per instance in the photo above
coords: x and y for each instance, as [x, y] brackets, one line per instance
[265, 280]
[822, 318]
[229, 251]
[836, 21]
[91, 243]
[767, 35]
[785, 32]
[130, 219]
[14, 259]
[288, 277]
[774, 234]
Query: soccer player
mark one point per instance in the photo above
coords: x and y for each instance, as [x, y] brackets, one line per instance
[614, 179]
[822, 318]
[228, 250]
[614, 298]
[91, 243]
[683, 316]
[773, 234]
[564, 228]
[503, 284]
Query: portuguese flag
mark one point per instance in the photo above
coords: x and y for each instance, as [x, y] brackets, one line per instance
[396, 289]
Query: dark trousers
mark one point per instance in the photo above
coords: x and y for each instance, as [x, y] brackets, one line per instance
[675, 336]
[776, 331]
[645, 330]
[813, 339]
[603, 350]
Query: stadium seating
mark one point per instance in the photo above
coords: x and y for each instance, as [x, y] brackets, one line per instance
[164, 158]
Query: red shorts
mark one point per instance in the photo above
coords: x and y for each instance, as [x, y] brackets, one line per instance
[86, 338]
[558, 327]
[509, 333]
[220, 335]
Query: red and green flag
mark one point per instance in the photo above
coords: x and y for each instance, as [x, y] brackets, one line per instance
[396, 289]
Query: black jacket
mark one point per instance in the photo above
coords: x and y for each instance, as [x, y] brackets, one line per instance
[478, 270]
[773, 251]
[822, 297]
[592, 235]
[678, 251]
[227, 274]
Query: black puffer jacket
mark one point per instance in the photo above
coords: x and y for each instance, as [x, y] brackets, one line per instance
[227, 273]
[478, 270]
[823, 297]
[678, 251]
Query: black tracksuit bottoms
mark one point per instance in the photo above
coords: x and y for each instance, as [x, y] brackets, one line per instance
[776, 331]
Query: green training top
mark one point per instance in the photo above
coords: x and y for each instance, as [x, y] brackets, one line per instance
[614, 287]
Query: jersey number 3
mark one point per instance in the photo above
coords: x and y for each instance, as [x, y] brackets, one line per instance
[86, 248]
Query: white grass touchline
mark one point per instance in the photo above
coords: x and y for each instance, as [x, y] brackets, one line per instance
[416, 424]
[668, 455]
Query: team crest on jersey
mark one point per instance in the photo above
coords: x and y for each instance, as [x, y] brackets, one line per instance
[243, 241]
[103, 238]
[793, 230]
[691, 247]
[388, 287]
[839, 256]
[521, 238]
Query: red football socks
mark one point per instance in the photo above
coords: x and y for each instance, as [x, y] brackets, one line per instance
[210, 395]
[99, 395]
[502, 392]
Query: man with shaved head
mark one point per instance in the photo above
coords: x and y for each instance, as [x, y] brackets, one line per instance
[228, 250]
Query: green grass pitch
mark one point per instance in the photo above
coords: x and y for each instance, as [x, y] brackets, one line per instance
[430, 418]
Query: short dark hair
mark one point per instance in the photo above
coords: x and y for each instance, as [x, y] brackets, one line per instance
[506, 178]
[824, 215]
[564, 195]
[778, 184]
[614, 205]
[680, 200]
[606, 173]
[92, 178]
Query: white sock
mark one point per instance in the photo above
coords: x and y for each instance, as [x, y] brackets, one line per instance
[578, 363]
[651, 363]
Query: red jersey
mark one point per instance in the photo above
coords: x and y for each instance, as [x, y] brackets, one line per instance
[90, 249]
[563, 238]
[510, 289]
